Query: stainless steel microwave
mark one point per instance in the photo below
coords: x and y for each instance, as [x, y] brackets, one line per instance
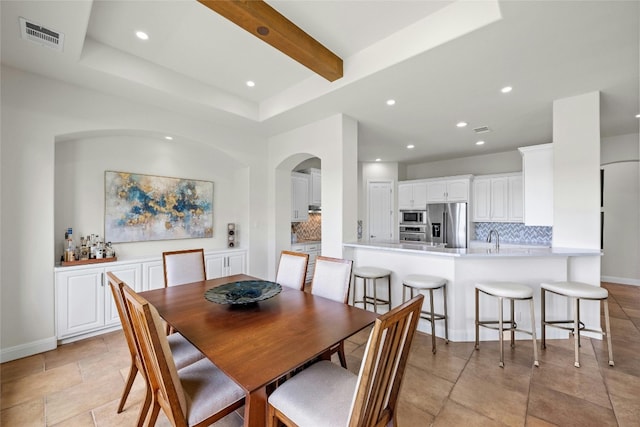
[413, 217]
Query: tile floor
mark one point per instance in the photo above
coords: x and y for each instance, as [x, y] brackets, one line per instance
[79, 384]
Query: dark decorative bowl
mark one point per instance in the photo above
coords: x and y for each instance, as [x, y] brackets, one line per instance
[244, 292]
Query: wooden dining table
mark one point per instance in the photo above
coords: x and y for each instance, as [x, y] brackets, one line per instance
[258, 343]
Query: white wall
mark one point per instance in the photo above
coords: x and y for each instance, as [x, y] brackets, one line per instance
[79, 185]
[36, 111]
[508, 161]
[334, 142]
[619, 148]
[376, 171]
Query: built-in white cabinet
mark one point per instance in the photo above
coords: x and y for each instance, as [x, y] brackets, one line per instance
[412, 195]
[299, 197]
[452, 189]
[84, 303]
[313, 249]
[224, 264]
[537, 184]
[497, 198]
[315, 186]
[83, 298]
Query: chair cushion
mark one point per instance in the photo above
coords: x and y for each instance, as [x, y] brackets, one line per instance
[371, 272]
[506, 289]
[207, 390]
[421, 281]
[576, 289]
[184, 353]
[319, 396]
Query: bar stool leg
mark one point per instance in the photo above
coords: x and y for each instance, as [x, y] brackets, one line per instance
[533, 333]
[375, 297]
[576, 328]
[608, 330]
[389, 289]
[543, 321]
[513, 332]
[477, 319]
[446, 323]
[433, 323]
[500, 329]
[364, 293]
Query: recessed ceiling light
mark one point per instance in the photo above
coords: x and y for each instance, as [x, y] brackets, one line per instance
[480, 143]
[411, 146]
[461, 124]
[637, 116]
[378, 160]
[142, 35]
[170, 138]
[251, 83]
[391, 102]
[506, 89]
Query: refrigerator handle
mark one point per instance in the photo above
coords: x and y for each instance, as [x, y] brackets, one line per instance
[444, 227]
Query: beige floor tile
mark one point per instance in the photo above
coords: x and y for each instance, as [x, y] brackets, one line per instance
[81, 420]
[537, 422]
[627, 410]
[426, 392]
[22, 367]
[439, 364]
[107, 416]
[621, 384]
[75, 351]
[83, 397]
[454, 414]
[408, 415]
[26, 414]
[40, 384]
[565, 410]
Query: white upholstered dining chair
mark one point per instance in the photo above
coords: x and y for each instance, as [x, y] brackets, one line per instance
[182, 267]
[197, 395]
[328, 395]
[292, 269]
[331, 279]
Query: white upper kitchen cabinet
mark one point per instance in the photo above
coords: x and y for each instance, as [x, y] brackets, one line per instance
[412, 195]
[299, 197]
[451, 189]
[497, 198]
[537, 184]
[315, 187]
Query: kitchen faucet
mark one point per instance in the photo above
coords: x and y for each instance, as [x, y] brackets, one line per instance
[497, 238]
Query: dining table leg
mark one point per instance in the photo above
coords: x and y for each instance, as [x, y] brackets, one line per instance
[255, 408]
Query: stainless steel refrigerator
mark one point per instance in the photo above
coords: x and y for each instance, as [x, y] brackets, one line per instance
[447, 223]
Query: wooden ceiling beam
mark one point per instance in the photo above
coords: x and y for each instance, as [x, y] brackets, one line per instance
[266, 23]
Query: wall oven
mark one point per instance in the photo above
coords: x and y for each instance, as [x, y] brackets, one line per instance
[413, 217]
[413, 233]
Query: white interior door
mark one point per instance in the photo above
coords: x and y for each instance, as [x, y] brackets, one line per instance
[380, 210]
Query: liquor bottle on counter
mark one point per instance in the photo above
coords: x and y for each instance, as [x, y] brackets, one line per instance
[69, 246]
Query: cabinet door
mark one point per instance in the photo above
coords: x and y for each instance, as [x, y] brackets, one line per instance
[129, 274]
[235, 264]
[152, 275]
[482, 200]
[516, 199]
[499, 203]
[315, 189]
[537, 179]
[80, 301]
[299, 198]
[215, 266]
[420, 195]
[457, 190]
[436, 191]
[405, 196]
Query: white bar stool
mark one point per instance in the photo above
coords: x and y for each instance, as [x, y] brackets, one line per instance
[421, 282]
[372, 274]
[511, 291]
[576, 291]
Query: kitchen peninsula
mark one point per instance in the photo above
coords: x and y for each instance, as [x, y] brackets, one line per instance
[463, 268]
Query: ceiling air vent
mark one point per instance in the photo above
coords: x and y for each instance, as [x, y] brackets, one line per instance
[41, 35]
[482, 129]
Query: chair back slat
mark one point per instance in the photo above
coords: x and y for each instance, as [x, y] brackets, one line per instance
[182, 267]
[292, 269]
[383, 365]
[127, 327]
[161, 369]
[332, 278]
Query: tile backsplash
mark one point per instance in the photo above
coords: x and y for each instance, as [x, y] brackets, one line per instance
[514, 232]
[310, 229]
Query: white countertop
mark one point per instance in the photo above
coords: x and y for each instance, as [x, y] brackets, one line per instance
[481, 251]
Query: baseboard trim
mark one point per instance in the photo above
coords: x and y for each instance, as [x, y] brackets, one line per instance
[27, 349]
[620, 280]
